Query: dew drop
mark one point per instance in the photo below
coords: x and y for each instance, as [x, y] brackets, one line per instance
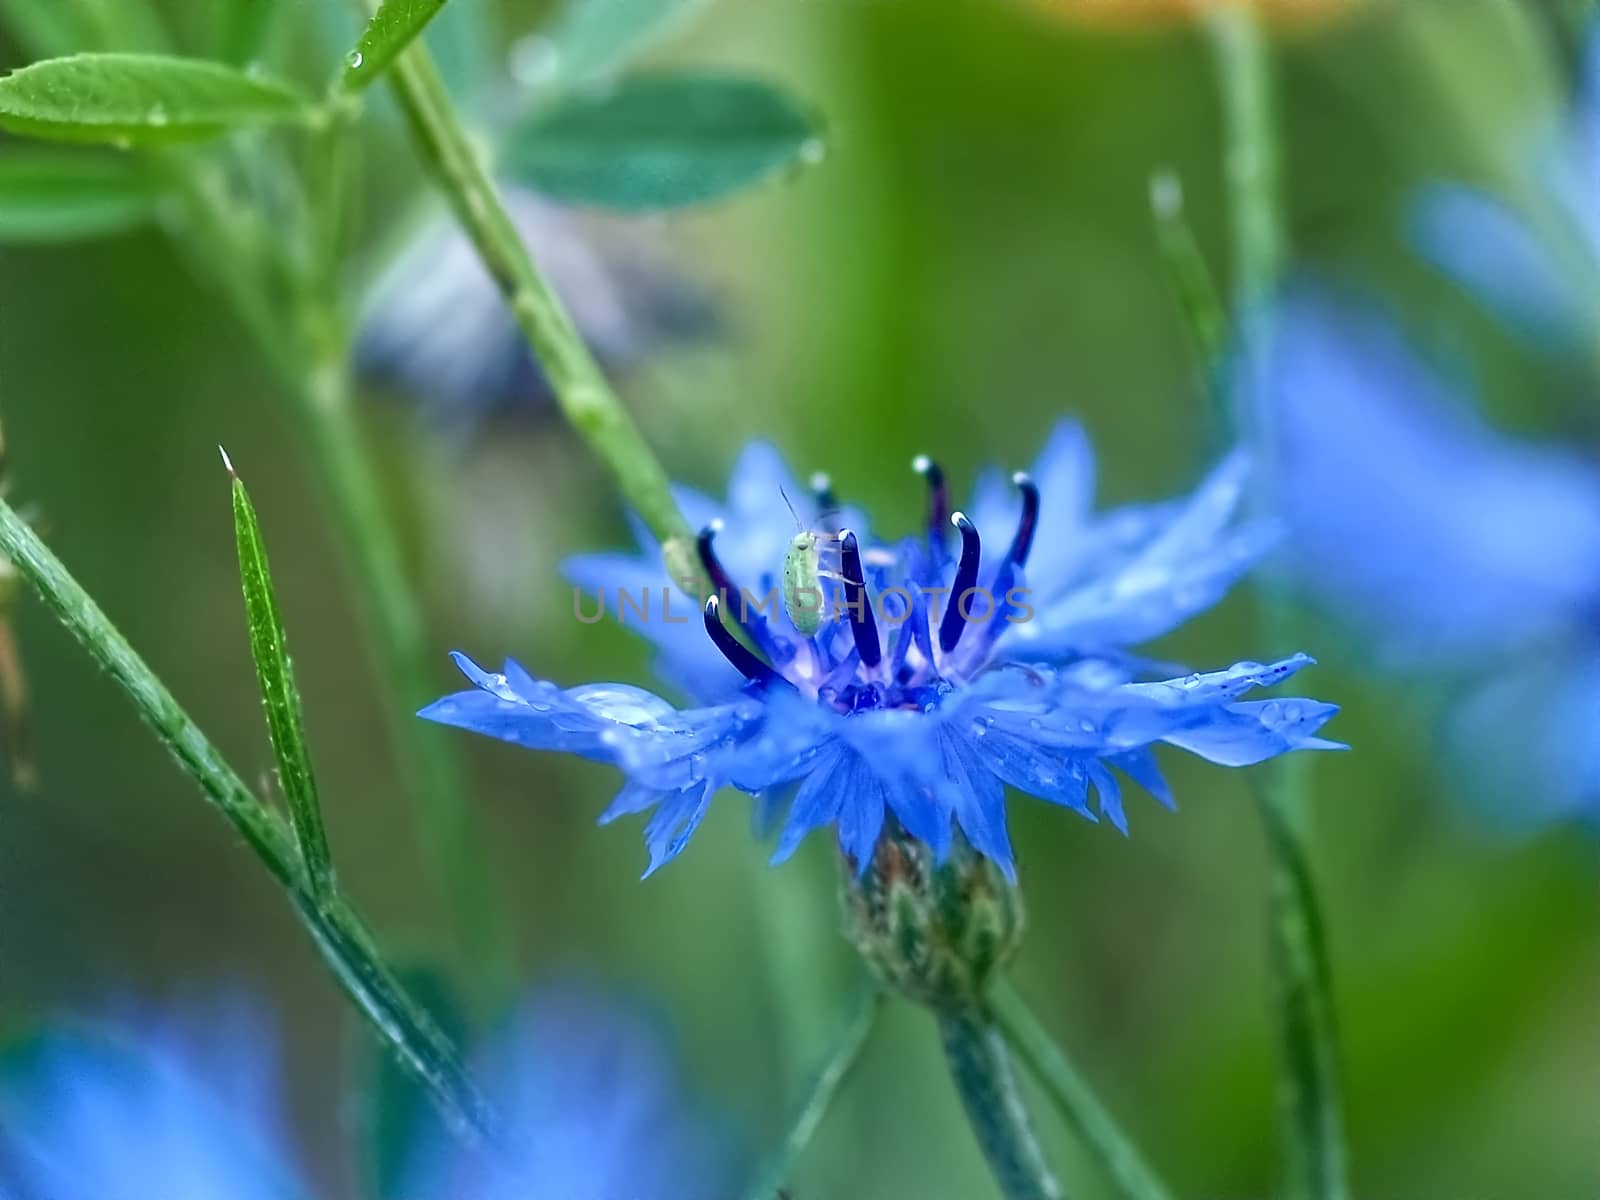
[1272, 712]
[157, 116]
[813, 150]
[1087, 726]
[1035, 723]
[354, 60]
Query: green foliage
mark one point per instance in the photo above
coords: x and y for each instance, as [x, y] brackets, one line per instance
[390, 31]
[662, 141]
[285, 722]
[590, 37]
[49, 195]
[142, 98]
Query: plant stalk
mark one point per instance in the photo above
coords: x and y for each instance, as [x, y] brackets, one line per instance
[1313, 1115]
[341, 937]
[585, 397]
[1096, 1129]
[308, 359]
[981, 1068]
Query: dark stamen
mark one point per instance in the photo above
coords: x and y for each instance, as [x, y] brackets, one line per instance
[722, 585]
[953, 622]
[735, 651]
[938, 497]
[718, 575]
[863, 626]
[822, 492]
[1022, 541]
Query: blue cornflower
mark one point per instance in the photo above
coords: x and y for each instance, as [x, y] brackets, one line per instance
[1467, 557]
[164, 1114]
[595, 1110]
[590, 1101]
[1536, 266]
[437, 325]
[944, 674]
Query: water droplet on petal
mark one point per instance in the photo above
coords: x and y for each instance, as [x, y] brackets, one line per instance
[1087, 726]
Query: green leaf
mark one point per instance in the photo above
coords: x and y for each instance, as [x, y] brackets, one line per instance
[285, 724]
[63, 196]
[662, 141]
[389, 32]
[394, 1116]
[589, 37]
[144, 98]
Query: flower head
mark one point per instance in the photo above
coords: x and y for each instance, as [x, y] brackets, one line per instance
[595, 1109]
[437, 325]
[82, 1116]
[1464, 555]
[1536, 266]
[945, 667]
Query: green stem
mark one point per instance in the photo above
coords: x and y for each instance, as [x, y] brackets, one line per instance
[1200, 303]
[981, 1068]
[308, 360]
[1076, 1101]
[1303, 1001]
[338, 932]
[775, 1172]
[1311, 1099]
[586, 399]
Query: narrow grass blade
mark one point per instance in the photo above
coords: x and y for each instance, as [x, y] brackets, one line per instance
[390, 31]
[852, 1039]
[1096, 1128]
[279, 695]
[347, 948]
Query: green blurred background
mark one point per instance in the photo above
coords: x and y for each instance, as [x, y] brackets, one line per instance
[973, 260]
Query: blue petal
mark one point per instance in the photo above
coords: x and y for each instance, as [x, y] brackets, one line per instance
[978, 802]
[1409, 516]
[1241, 735]
[1141, 767]
[86, 1115]
[1494, 254]
[673, 824]
[1188, 564]
[1110, 793]
[1524, 746]
[595, 1107]
[816, 804]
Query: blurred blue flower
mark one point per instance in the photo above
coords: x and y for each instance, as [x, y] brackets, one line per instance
[591, 1103]
[941, 676]
[436, 325]
[160, 1114]
[595, 1110]
[1463, 555]
[1535, 265]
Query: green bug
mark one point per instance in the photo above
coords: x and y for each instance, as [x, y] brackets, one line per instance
[803, 575]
